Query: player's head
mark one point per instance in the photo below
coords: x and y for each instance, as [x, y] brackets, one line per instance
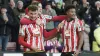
[70, 11]
[39, 5]
[32, 12]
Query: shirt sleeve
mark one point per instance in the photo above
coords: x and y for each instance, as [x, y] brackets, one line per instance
[80, 25]
[47, 17]
[21, 37]
[22, 30]
[50, 34]
[59, 18]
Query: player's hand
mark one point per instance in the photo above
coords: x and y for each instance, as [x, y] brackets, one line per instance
[35, 49]
[39, 22]
[60, 26]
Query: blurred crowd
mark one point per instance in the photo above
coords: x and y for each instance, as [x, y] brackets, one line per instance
[87, 10]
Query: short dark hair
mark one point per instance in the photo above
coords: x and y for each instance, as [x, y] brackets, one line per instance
[32, 7]
[69, 7]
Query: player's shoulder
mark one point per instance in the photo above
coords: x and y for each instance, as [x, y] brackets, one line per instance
[80, 21]
[24, 21]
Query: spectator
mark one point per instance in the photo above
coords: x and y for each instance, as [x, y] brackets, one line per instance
[75, 3]
[68, 2]
[96, 43]
[6, 22]
[95, 12]
[49, 11]
[86, 45]
[82, 9]
[20, 10]
[28, 2]
[59, 9]
[15, 29]
[54, 2]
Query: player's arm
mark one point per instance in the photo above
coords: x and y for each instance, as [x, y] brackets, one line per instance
[80, 34]
[55, 18]
[80, 30]
[59, 18]
[49, 35]
[22, 42]
[21, 38]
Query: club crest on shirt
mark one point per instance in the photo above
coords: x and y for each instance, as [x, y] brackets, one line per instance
[36, 31]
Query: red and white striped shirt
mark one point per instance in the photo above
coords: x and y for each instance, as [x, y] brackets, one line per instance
[29, 31]
[70, 34]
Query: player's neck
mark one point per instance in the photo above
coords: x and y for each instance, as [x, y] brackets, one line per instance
[68, 19]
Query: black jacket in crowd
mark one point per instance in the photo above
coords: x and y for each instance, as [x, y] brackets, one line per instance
[13, 14]
[95, 14]
[5, 28]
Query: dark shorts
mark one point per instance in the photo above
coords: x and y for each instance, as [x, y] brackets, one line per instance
[67, 53]
[35, 54]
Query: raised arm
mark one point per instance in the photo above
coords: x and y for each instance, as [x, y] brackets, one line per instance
[59, 18]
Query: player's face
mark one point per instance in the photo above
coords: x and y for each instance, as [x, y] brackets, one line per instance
[33, 14]
[71, 13]
[40, 8]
